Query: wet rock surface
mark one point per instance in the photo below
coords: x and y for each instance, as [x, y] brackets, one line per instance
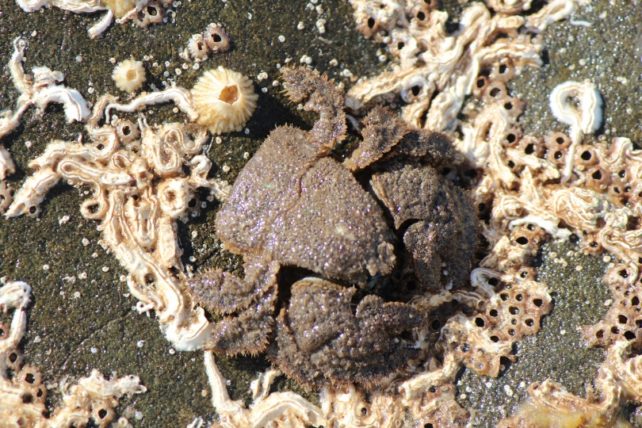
[82, 315]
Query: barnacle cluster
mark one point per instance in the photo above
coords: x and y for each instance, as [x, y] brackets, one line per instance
[142, 12]
[557, 186]
[433, 70]
[213, 40]
[531, 188]
[525, 177]
[428, 398]
[22, 402]
[143, 179]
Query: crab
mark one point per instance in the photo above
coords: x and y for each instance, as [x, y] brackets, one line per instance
[294, 205]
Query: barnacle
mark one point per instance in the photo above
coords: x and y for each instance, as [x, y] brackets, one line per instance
[534, 197]
[197, 48]
[129, 75]
[213, 40]
[22, 402]
[151, 13]
[537, 188]
[216, 38]
[578, 105]
[224, 100]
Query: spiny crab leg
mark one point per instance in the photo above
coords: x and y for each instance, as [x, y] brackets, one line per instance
[320, 96]
[245, 304]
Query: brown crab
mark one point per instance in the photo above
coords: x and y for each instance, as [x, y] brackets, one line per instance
[295, 205]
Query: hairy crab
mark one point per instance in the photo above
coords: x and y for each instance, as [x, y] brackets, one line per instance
[295, 205]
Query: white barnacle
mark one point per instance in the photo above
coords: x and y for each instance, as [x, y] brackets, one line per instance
[129, 75]
[175, 195]
[224, 100]
[216, 38]
[164, 154]
[197, 48]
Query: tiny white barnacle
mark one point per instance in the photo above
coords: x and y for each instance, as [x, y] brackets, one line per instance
[129, 75]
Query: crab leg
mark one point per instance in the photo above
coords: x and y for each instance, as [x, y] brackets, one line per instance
[322, 97]
[247, 305]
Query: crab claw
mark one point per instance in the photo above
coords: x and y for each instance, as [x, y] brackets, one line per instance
[322, 97]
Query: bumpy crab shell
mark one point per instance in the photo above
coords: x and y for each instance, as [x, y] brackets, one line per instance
[321, 336]
[293, 205]
[304, 209]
